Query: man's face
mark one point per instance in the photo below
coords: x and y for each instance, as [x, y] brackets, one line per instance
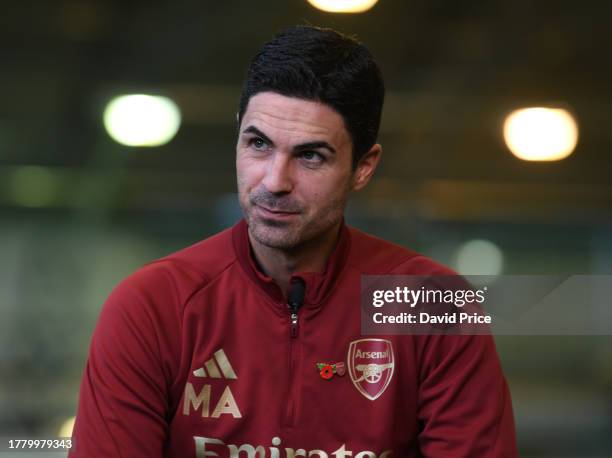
[293, 163]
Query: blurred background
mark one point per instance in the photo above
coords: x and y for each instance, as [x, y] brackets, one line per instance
[84, 201]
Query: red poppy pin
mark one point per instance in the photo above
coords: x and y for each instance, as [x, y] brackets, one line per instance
[327, 370]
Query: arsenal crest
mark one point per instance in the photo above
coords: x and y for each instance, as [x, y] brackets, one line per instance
[370, 364]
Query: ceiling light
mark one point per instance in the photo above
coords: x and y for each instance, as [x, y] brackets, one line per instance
[479, 257]
[343, 6]
[142, 120]
[33, 186]
[541, 134]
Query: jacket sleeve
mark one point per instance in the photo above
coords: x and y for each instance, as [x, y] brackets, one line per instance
[124, 400]
[465, 408]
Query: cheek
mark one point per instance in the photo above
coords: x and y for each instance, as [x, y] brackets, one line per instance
[246, 174]
[327, 194]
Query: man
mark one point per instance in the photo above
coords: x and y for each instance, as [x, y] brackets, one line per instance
[248, 343]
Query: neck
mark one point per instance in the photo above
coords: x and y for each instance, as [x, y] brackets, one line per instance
[280, 264]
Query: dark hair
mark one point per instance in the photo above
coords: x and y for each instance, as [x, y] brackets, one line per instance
[320, 64]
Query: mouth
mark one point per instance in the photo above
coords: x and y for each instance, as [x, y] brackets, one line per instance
[267, 212]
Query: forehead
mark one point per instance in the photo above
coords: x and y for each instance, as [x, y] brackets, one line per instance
[278, 115]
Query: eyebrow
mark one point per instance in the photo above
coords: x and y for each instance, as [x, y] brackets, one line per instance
[301, 147]
[254, 130]
[314, 145]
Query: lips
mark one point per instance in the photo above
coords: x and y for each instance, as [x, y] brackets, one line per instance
[276, 213]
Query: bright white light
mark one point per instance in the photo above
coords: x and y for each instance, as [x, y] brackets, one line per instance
[142, 120]
[343, 6]
[66, 428]
[479, 257]
[541, 134]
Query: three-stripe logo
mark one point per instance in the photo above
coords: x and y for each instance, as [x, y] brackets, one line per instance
[197, 397]
[217, 367]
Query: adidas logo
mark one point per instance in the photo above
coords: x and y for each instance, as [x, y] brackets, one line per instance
[217, 367]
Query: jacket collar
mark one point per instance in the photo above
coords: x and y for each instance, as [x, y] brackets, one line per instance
[318, 285]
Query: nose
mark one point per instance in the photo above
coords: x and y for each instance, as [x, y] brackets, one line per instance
[278, 179]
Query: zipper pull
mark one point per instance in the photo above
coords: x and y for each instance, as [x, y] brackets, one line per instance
[294, 324]
[295, 299]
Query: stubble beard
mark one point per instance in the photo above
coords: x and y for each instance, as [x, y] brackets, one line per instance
[291, 236]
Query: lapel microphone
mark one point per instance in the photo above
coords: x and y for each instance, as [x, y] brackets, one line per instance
[295, 296]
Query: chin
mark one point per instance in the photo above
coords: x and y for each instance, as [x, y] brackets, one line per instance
[275, 237]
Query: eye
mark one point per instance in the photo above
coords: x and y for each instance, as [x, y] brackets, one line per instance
[258, 143]
[313, 157]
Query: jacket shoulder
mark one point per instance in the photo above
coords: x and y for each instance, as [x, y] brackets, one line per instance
[373, 255]
[183, 272]
[205, 259]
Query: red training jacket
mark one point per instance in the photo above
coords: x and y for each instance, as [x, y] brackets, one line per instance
[195, 355]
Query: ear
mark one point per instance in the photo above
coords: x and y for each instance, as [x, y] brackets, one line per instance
[366, 167]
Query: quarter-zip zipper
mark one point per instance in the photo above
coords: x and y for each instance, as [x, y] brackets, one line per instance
[293, 390]
[295, 299]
